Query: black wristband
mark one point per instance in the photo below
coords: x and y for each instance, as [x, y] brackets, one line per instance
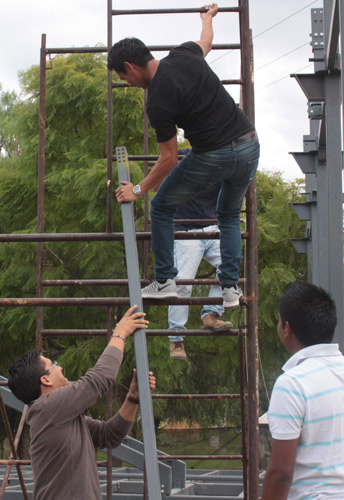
[133, 400]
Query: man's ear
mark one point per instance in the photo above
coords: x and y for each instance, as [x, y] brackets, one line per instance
[127, 66]
[287, 328]
[285, 331]
[291, 342]
[45, 380]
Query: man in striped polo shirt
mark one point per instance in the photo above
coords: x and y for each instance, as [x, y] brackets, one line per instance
[306, 412]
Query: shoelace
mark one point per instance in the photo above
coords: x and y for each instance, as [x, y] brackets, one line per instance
[179, 344]
[152, 286]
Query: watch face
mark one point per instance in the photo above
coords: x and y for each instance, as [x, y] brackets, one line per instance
[137, 190]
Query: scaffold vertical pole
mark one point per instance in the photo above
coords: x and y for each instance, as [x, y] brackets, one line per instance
[40, 199]
[109, 401]
[13, 446]
[251, 266]
[109, 184]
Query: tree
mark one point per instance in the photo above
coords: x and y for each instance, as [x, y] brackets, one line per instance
[8, 141]
[279, 264]
[75, 198]
[75, 185]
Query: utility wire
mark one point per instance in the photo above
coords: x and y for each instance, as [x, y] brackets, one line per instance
[283, 78]
[286, 18]
[280, 57]
[270, 28]
[263, 376]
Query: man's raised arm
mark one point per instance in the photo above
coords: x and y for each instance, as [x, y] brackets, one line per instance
[207, 33]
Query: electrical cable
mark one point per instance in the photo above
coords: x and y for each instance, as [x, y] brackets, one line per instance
[286, 18]
[280, 57]
[263, 376]
[283, 78]
[270, 28]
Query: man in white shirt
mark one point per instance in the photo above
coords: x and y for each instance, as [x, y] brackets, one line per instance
[306, 412]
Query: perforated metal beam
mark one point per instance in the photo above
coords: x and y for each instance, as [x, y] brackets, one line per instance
[140, 342]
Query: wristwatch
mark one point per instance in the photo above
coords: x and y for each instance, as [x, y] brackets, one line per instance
[137, 190]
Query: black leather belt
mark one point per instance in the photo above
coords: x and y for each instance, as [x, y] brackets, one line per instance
[250, 136]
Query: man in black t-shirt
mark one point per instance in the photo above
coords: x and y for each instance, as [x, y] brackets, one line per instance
[183, 91]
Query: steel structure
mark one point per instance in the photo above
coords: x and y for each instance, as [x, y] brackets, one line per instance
[321, 161]
[163, 476]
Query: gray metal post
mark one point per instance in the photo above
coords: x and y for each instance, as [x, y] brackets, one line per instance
[149, 442]
[341, 29]
[334, 208]
[332, 230]
[323, 90]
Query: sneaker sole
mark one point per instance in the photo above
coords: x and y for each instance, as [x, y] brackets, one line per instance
[175, 358]
[159, 295]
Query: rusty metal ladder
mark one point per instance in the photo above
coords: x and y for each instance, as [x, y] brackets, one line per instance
[250, 445]
[250, 454]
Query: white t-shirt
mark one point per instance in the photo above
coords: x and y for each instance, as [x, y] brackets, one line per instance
[307, 401]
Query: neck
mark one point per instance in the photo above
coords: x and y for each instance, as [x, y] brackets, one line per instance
[151, 69]
[46, 389]
[295, 346]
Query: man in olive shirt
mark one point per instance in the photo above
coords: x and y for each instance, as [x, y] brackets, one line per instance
[63, 440]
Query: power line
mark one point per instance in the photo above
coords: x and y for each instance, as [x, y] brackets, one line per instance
[280, 57]
[283, 78]
[270, 28]
[286, 18]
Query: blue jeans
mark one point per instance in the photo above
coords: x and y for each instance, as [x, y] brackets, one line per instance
[235, 167]
[187, 258]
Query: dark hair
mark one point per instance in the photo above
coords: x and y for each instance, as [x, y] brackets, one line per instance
[128, 50]
[24, 377]
[310, 312]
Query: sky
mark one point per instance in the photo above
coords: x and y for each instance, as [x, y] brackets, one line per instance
[281, 47]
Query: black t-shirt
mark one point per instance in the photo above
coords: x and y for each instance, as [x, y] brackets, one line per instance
[202, 206]
[187, 93]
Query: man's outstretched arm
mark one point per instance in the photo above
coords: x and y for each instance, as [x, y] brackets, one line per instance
[167, 160]
[207, 33]
[112, 432]
[279, 475]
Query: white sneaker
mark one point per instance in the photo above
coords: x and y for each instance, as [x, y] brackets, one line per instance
[231, 296]
[156, 290]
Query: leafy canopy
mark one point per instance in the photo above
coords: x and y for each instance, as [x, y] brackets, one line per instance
[75, 201]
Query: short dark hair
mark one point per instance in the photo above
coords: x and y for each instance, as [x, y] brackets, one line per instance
[310, 312]
[128, 50]
[24, 377]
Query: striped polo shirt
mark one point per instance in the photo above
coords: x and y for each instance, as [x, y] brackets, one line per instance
[307, 401]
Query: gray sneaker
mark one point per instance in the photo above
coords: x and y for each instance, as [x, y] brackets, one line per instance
[231, 296]
[156, 290]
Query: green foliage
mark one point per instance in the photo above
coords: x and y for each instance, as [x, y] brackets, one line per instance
[277, 222]
[279, 264]
[9, 146]
[75, 201]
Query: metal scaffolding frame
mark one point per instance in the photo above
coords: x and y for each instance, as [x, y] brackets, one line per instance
[152, 485]
[321, 161]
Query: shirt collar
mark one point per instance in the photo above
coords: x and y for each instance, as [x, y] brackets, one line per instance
[313, 351]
